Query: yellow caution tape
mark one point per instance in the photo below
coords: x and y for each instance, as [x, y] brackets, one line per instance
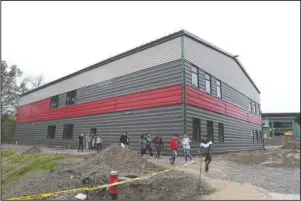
[45, 195]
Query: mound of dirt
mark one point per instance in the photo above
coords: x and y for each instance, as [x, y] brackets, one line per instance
[94, 171]
[292, 145]
[32, 150]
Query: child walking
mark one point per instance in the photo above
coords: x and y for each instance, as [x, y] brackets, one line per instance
[142, 143]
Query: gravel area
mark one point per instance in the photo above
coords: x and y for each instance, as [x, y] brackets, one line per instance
[281, 180]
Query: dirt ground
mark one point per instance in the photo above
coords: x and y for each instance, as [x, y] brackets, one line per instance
[265, 175]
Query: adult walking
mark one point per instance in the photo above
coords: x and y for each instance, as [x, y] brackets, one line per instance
[124, 140]
[98, 143]
[149, 144]
[159, 145]
[142, 143]
[80, 142]
[186, 146]
[174, 148]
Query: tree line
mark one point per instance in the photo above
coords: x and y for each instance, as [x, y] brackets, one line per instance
[13, 84]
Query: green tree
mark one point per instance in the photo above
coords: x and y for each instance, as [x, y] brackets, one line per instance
[10, 93]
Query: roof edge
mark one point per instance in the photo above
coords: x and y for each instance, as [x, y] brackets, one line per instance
[143, 47]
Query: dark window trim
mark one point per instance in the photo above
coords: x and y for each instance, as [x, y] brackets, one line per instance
[212, 137]
[51, 99]
[69, 92]
[220, 87]
[49, 126]
[221, 126]
[197, 75]
[210, 81]
[64, 131]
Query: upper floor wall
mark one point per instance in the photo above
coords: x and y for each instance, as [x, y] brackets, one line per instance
[220, 66]
[159, 54]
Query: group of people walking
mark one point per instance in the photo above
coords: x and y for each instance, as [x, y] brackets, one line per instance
[92, 142]
[146, 143]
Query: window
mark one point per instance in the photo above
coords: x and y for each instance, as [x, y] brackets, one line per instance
[253, 107]
[253, 135]
[256, 109]
[260, 135]
[68, 131]
[210, 130]
[249, 106]
[257, 137]
[71, 97]
[196, 129]
[208, 83]
[287, 124]
[277, 124]
[54, 103]
[218, 89]
[93, 131]
[51, 132]
[194, 77]
[221, 132]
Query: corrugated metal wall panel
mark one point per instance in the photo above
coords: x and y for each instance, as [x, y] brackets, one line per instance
[151, 78]
[237, 134]
[62, 99]
[156, 55]
[163, 121]
[219, 65]
[232, 96]
[229, 94]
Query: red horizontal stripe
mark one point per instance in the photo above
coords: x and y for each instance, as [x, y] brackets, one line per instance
[40, 111]
[201, 99]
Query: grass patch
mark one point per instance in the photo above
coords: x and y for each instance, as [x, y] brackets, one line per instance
[6, 154]
[30, 163]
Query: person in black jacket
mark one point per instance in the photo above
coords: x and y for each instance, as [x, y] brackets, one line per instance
[124, 140]
[206, 148]
[80, 142]
[149, 144]
[159, 145]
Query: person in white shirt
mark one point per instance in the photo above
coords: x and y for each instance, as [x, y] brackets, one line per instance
[206, 149]
[186, 146]
[98, 143]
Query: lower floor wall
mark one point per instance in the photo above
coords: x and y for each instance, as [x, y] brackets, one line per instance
[235, 135]
[162, 121]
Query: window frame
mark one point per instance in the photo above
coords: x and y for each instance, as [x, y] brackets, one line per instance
[253, 107]
[48, 129]
[250, 105]
[257, 135]
[64, 131]
[221, 128]
[68, 96]
[210, 84]
[54, 98]
[219, 87]
[197, 76]
[212, 135]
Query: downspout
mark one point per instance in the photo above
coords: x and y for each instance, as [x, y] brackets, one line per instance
[183, 85]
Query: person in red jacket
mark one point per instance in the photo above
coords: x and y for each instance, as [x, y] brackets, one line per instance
[174, 148]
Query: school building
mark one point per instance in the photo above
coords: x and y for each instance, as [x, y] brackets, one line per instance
[174, 85]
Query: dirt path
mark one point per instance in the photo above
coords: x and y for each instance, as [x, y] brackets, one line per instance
[239, 182]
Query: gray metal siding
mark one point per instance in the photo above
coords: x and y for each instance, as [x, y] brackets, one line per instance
[163, 121]
[228, 93]
[151, 78]
[62, 99]
[156, 55]
[237, 133]
[219, 65]
[232, 96]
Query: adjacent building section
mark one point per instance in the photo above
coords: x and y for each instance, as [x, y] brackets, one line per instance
[177, 84]
[281, 124]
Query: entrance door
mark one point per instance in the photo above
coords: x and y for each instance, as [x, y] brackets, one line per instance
[196, 129]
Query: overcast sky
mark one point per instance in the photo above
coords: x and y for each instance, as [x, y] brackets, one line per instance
[58, 38]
